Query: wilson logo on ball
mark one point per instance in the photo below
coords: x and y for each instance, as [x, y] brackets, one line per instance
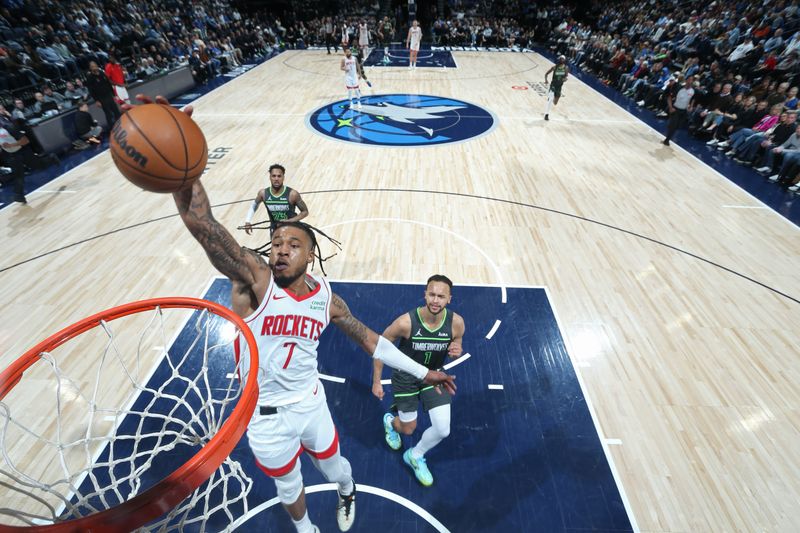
[120, 136]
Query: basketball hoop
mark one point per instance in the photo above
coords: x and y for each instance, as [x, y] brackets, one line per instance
[211, 414]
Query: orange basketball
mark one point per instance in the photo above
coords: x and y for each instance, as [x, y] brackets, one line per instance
[158, 148]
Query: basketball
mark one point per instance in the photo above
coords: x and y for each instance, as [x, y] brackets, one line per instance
[158, 148]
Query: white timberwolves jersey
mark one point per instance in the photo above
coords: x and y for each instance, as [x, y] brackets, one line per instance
[287, 330]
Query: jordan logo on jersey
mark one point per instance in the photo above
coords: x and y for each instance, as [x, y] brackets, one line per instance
[402, 120]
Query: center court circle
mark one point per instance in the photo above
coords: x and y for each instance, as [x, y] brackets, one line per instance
[402, 120]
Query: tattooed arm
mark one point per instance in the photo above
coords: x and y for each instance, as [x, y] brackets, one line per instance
[382, 349]
[244, 267]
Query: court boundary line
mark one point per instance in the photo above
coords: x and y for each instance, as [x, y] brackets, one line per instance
[675, 143]
[368, 489]
[551, 210]
[593, 413]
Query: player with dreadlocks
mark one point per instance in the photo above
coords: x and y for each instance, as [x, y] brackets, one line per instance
[287, 309]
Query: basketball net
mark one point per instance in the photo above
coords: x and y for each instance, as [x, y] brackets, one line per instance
[113, 418]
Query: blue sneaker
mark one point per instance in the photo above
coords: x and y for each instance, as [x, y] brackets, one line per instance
[420, 468]
[392, 436]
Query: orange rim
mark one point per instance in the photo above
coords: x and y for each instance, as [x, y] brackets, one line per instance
[170, 491]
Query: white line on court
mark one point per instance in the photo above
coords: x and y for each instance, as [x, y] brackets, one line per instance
[493, 330]
[746, 206]
[456, 362]
[614, 442]
[49, 191]
[685, 151]
[335, 379]
[368, 489]
[495, 387]
[614, 472]
[503, 297]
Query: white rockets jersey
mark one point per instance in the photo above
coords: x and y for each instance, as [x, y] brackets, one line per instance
[416, 35]
[350, 74]
[287, 330]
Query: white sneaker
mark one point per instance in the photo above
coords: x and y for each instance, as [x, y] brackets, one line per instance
[712, 142]
[730, 152]
[723, 144]
[794, 188]
[774, 177]
[763, 170]
[640, 103]
[346, 510]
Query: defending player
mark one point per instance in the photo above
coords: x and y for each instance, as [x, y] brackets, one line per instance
[560, 73]
[287, 309]
[351, 76]
[281, 201]
[427, 335]
[413, 41]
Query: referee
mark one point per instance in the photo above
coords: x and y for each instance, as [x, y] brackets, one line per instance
[678, 100]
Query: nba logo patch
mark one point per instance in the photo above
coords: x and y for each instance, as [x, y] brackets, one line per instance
[402, 120]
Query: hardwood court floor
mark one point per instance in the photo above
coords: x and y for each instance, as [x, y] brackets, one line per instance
[679, 306]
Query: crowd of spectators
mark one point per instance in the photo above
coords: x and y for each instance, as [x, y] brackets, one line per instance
[736, 63]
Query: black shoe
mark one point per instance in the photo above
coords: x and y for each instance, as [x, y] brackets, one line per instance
[546, 116]
[665, 142]
[21, 199]
[346, 510]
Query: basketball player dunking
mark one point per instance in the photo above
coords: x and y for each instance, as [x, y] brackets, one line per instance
[351, 77]
[288, 309]
[560, 73]
[428, 335]
[412, 43]
[281, 201]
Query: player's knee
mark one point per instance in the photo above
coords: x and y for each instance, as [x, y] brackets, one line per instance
[290, 486]
[407, 428]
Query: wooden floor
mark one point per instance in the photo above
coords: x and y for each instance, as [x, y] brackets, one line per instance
[693, 368]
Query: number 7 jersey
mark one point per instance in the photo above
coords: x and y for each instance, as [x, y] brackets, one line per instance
[287, 328]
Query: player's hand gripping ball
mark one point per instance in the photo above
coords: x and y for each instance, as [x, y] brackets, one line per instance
[158, 147]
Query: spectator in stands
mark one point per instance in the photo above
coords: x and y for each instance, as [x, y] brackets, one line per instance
[17, 153]
[20, 112]
[73, 95]
[86, 126]
[100, 89]
[52, 96]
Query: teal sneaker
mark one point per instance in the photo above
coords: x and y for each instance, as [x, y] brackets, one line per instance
[420, 468]
[392, 436]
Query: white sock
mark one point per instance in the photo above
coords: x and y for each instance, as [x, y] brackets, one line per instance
[303, 525]
[550, 97]
[439, 430]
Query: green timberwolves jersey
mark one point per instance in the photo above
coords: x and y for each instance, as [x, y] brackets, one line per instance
[428, 347]
[559, 75]
[278, 206]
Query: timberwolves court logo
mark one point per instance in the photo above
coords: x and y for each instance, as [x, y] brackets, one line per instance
[402, 120]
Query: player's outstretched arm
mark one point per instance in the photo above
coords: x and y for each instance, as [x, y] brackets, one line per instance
[401, 327]
[238, 263]
[382, 349]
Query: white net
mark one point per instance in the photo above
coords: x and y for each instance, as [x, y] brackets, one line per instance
[107, 415]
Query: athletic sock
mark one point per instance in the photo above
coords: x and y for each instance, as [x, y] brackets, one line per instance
[303, 525]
